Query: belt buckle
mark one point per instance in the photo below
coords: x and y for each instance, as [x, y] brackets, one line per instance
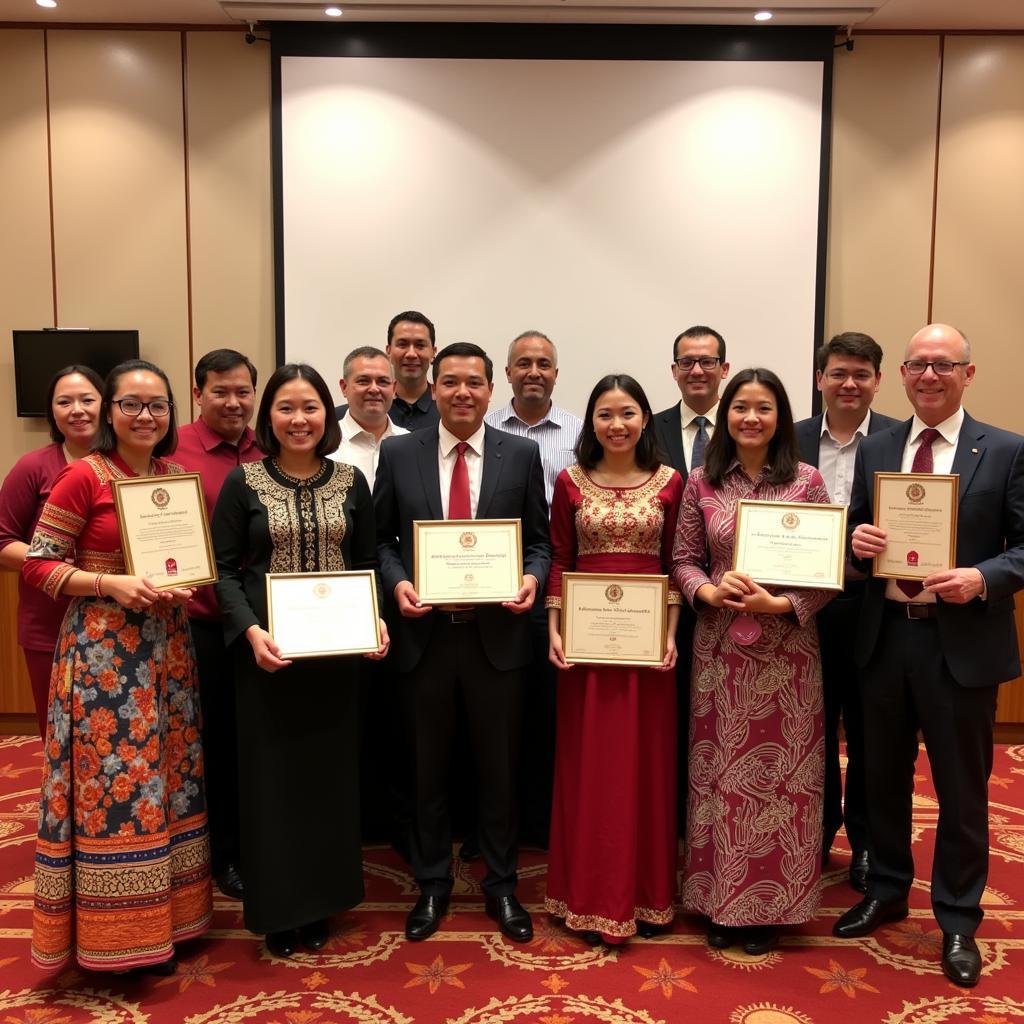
[916, 611]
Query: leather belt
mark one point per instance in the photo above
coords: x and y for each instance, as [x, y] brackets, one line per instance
[913, 610]
[460, 616]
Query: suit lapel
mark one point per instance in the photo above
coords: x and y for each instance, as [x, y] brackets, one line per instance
[969, 452]
[673, 435]
[491, 470]
[429, 472]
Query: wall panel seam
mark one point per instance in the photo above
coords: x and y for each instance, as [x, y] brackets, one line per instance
[188, 214]
[935, 181]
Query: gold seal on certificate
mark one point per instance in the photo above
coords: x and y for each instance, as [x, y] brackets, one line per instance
[165, 535]
[321, 614]
[791, 544]
[467, 561]
[613, 620]
[918, 513]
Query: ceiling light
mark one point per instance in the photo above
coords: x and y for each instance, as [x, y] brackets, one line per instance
[332, 12]
[763, 16]
[46, 3]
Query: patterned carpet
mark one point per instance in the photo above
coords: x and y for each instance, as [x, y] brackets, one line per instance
[467, 974]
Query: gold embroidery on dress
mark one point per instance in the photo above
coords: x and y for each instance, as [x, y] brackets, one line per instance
[606, 925]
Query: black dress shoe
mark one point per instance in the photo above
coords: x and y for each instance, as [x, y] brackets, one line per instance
[512, 919]
[283, 944]
[425, 918]
[647, 930]
[961, 961]
[866, 916]
[859, 871]
[314, 936]
[469, 851]
[591, 938]
[229, 881]
[721, 936]
[760, 939]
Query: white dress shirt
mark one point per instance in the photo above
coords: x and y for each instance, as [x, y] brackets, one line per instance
[689, 428]
[446, 456]
[360, 448]
[836, 460]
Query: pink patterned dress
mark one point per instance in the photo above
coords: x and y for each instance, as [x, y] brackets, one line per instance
[757, 754]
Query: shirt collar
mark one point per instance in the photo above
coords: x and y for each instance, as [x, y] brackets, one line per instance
[949, 429]
[508, 412]
[350, 428]
[423, 403]
[448, 440]
[687, 415]
[861, 431]
[210, 439]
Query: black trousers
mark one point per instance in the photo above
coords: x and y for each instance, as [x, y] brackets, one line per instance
[907, 687]
[220, 741]
[837, 629]
[455, 670]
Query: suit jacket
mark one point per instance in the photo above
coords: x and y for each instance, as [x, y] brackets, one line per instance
[511, 487]
[978, 639]
[808, 433]
[668, 428]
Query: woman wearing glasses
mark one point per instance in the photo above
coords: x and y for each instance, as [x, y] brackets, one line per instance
[122, 858]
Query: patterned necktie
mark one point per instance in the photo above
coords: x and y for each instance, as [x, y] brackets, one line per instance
[458, 494]
[924, 462]
[699, 442]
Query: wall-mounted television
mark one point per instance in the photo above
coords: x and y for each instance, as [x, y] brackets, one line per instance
[38, 355]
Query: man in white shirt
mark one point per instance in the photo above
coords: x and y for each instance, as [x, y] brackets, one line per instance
[849, 370]
[369, 388]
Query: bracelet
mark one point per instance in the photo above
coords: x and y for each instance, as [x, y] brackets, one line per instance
[96, 583]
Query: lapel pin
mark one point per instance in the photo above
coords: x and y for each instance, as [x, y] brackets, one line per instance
[974, 451]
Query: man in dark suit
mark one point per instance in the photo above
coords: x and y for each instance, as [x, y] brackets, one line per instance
[448, 655]
[932, 658]
[849, 370]
[683, 430]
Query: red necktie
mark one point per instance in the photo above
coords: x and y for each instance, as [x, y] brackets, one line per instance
[924, 462]
[458, 494]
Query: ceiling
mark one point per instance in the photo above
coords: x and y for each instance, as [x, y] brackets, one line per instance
[991, 15]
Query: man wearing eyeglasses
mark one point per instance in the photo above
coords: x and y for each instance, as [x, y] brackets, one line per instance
[933, 653]
[849, 370]
[683, 431]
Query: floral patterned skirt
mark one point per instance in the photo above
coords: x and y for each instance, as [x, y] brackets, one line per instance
[122, 855]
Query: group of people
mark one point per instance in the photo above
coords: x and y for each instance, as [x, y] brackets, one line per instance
[179, 742]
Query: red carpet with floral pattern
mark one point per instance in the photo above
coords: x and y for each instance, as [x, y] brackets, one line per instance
[468, 974]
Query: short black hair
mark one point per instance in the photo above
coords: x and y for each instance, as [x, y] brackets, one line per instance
[783, 452]
[88, 373]
[849, 343]
[699, 331]
[413, 317]
[106, 439]
[463, 348]
[588, 448]
[220, 360]
[265, 436]
[363, 352]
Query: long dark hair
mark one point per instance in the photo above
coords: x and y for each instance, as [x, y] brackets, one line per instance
[588, 449]
[265, 436]
[89, 374]
[106, 439]
[783, 453]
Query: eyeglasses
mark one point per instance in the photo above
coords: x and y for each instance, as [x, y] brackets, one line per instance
[860, 376]
[706, 363]
[158, 408]
[943, 367]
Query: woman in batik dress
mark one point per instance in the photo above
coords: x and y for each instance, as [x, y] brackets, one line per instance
[756, 757]
[298, 744]
[122, 857]
[612, 860]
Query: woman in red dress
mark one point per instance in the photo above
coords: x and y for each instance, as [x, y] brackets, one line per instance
[122, 857]
[757, 755]
[73, 412]
[612, 861]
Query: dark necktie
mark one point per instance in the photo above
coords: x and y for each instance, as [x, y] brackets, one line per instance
[924, 462]
[458, 494]
[699, 442]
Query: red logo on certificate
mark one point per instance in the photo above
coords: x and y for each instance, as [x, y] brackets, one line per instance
[171, 567]
[912, 557]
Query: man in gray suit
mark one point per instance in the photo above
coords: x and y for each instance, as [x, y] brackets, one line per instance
[849, 370]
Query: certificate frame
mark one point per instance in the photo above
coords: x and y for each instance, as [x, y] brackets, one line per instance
[166, 492]
[434, 539]
[277, 581]
[915, 487]
[784, 521]
[648, 592]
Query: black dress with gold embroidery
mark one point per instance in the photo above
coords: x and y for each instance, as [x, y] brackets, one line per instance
[297, 728]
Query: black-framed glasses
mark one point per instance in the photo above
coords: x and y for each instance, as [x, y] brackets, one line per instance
[706, 363]
[943, 367]
[158, 408]
[860, 376]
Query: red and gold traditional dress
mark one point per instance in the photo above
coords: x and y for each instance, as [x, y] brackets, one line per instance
[612, 856]
[122, 857]
[757, 753]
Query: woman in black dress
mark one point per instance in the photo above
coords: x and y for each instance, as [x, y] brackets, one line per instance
[296, 511]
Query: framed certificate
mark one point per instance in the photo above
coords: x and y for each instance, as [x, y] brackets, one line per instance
[467, 561]
[322, 614]
[791, 544]
[918, 513]
[613, 619]
[165, 535]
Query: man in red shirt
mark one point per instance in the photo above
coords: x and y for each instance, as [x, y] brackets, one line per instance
[212, 446]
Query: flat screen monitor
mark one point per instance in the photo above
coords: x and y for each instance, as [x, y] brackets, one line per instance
[38, 355]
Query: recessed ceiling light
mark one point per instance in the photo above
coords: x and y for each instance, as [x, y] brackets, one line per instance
[332, 12]
[46, 3]
[763, 16]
